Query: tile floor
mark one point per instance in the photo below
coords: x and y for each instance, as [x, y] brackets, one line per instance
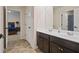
[20, 46]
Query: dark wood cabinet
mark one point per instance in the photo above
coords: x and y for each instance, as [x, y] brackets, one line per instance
[57, 45]
[43, 42]
[40, 43]
[64, 45]
[52, 44]
[46, 45]
[54, 48]
[66, 50]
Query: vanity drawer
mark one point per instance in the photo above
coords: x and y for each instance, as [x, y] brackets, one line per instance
[65, 43]
[65, 50]
[43, 35]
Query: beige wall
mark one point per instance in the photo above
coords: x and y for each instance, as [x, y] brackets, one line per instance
[44, 16]
[56, 17]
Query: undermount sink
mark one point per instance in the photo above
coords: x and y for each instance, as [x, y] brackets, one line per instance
[70, 36]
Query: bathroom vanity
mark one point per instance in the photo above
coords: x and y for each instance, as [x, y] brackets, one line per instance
[63, 36]
[54, 42]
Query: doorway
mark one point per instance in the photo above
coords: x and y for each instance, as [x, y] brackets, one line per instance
[12, 25]
[25, 32]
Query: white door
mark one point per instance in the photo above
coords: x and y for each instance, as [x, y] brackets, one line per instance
[1, 30]
[29, 25]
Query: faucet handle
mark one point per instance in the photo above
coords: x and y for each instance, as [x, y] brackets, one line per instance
[70, 33]
[75, 27]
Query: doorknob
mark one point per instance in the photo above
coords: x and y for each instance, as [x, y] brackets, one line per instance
[29, 27]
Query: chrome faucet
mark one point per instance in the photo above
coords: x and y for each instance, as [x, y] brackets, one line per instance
[50, 30]
[59, 30]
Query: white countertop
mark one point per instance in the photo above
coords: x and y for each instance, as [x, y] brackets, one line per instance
[62, 34]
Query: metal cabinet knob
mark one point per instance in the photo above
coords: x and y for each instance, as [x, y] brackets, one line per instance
[61, 49]
[29, 27]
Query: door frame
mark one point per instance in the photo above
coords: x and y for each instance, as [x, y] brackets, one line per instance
[14, 9]
[4, 22]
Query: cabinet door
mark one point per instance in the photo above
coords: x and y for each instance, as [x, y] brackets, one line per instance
[63, 45]
[54, 48]
[43, 42]
[46, 45]
[39, 42]
[65, 50]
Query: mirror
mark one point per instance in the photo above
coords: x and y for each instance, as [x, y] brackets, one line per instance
[66, 18]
